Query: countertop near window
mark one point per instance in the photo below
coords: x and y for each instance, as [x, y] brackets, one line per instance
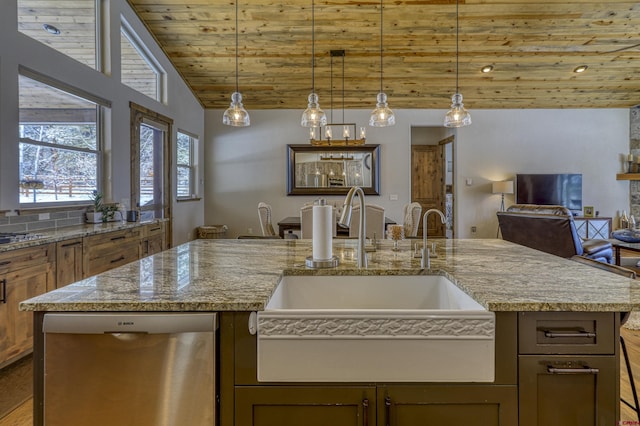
[241, 275]
[68, 232]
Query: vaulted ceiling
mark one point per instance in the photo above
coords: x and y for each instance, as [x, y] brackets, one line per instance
[533, 46]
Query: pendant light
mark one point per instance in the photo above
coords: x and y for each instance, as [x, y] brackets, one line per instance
[236, 115]
[457, 116]
[382, 115]
[313, 116]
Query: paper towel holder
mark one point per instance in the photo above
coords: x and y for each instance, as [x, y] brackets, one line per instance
[321, 263]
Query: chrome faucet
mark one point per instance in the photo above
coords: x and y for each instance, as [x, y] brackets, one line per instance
[345, 221]
[426, 260]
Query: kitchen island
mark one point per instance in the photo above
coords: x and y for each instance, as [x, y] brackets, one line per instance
[529, 291]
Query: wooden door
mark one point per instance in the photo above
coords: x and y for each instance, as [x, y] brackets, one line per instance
[427, 184]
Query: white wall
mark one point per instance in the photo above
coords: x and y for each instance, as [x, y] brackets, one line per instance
[17, 50]
[248, 165]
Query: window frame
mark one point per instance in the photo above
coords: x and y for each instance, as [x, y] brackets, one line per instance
[100, 105]
[130, 34]
[194, 140]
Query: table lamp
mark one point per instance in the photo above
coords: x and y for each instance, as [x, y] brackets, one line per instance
[504, 187]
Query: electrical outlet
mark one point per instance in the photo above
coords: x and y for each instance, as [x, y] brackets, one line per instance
[393, 197]
[473, 229]
[249, 231]
[43, 216]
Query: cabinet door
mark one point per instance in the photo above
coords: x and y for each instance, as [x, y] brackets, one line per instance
[568, 390]
[437, 405]
[600, 228]
[16, 329]
[582, 227]
[308, 406]
[68, 262]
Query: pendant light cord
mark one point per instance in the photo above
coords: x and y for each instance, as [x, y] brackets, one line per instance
[331, 88]
[343, 86]
[236, 45]
[313, 47]
[457, 48]
[381, 6]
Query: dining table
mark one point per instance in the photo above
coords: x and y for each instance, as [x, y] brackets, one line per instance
[292, 223]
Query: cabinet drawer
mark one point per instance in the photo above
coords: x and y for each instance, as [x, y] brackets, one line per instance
[154, 229]
[558, 390]
[105, 260]
[112, 238]
[566, 333]
[22, 258]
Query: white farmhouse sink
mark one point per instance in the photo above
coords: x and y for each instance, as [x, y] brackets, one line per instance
[418, 328]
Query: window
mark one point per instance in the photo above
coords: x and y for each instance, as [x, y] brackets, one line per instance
[66, 26]
[139, 69]
[59, 145]
[186, 166]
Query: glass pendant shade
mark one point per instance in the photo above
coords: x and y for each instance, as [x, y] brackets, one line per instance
[236, 115]
[457, 116]
[382, 115]
[313, 116]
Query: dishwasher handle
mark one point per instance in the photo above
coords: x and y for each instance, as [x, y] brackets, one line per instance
[150, 323]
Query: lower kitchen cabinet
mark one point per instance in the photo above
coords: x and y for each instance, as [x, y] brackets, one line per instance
[106, 251]
[68, 261]
[24, 273]
[568, 390]
[153, 239]
[447, 404]
[308, 406]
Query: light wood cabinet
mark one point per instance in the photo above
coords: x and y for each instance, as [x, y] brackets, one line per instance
[106, 251]
[24, 273]
[153, 239]
[68, 261]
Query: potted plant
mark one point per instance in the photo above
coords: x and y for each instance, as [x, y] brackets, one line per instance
[94, 212]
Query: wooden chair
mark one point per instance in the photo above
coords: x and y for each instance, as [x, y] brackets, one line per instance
[264, 214]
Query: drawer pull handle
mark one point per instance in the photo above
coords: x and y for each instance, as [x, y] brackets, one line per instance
[365, 412]
[387, 411]
[77, 243]
[586, 334]
[121, 237]
[585, 370]
[5, 263]
[4, 291]
[118, 259]
[156, 229]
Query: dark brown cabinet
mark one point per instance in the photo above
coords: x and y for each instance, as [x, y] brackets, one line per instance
[447, 404]
[568, 369]
[301, 405]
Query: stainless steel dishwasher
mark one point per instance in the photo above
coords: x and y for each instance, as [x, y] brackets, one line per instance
[137, 369]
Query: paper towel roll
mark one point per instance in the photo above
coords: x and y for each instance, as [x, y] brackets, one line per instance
[322, 232]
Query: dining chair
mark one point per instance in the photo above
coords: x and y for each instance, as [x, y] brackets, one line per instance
[306, 221]
[412, 212]
[374, 219]
[264, 214]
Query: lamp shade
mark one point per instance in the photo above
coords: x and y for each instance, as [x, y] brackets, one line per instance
[504, 187]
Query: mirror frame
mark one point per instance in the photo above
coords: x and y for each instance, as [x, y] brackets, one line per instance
[374, 150]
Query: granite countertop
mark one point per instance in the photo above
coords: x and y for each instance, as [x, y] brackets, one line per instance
[69, 232]
[241, 275]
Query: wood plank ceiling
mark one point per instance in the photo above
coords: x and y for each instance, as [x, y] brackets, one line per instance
[533, 46]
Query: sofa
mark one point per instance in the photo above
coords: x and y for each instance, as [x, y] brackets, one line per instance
[550, 229]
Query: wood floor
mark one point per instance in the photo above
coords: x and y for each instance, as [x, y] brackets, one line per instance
[22, 416]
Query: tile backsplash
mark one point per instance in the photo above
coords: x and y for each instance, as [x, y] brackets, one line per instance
[40, 222]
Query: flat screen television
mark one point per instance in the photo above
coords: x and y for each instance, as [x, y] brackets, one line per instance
[550, 189]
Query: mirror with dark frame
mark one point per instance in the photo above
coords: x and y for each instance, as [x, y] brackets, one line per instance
[332, 170]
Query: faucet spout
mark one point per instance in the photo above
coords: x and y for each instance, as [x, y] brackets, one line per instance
[426, 261]
[345, 221]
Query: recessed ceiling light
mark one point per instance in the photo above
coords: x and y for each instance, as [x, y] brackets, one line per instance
[581, 68]
[487, 68]
[50, 29]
